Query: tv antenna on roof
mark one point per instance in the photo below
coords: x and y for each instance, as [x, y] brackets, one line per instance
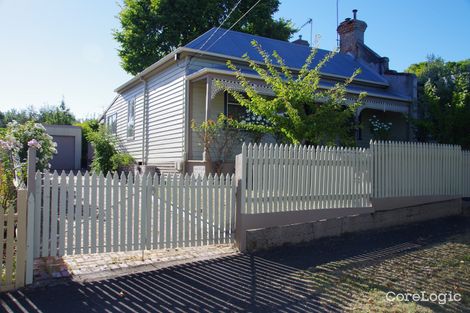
[337, 24]
[309, 21]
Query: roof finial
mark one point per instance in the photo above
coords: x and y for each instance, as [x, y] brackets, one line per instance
[354, 13]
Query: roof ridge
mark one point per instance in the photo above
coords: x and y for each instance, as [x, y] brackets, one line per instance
[248, 34]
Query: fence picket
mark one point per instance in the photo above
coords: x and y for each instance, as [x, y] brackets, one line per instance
[10, 245]
[86, 212]
[54, 209]
[204, 209]
[174, 211]
[210, 208]
[130, 210]
[216, 193]
[143, 212]
[101, 212]
[93, 212]
[122, 214]
[187, 209]
[136, 211]
[181, 210]
[155, 205]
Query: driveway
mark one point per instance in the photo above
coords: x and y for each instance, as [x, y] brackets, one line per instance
[351, 273]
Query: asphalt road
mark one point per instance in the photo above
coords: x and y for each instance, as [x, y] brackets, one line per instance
[265, 282]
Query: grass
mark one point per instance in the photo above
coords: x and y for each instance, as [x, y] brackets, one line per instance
[361, 283]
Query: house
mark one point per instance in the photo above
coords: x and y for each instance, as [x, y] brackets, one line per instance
[152, 112]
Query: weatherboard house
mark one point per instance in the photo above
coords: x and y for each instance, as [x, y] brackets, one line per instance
[152, 112]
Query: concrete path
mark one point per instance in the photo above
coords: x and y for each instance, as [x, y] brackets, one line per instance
[267, 282]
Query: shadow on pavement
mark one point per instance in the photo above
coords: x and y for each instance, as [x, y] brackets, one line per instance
[263, 282]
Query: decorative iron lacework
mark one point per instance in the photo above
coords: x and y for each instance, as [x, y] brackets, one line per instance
[235, 85]
[371, 103]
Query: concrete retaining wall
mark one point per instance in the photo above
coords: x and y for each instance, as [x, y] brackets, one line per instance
[272, 237]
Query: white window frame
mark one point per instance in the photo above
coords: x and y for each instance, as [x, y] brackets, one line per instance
[111, 123]
[131, 119]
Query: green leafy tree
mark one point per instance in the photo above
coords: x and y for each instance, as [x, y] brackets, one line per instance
[443, 101]
[59, 115]
[300, 112]
[20, 116]
[88, 127]
[151, 29]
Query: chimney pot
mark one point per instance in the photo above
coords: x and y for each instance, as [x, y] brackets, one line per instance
[351, 32]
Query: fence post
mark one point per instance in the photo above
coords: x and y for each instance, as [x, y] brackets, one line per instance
[22, 207]
[240, 165]
[31, 180]
[26, 219]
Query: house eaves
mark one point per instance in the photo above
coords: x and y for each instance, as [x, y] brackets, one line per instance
[206, 71]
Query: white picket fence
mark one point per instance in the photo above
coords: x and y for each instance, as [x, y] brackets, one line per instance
[417, 169]
[466, 173]
[282, 178]
[96, 213]
[13, 244]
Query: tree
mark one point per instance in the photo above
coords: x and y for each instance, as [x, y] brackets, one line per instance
[59, 115]
[300, 112]
[20, 116]
[443, 101]
[151, 29]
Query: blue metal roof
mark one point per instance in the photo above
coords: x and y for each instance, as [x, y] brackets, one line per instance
[236, 44]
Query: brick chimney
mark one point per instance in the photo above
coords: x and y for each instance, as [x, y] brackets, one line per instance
[351, 32]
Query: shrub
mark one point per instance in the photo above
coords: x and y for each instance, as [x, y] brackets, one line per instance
[19, 137]
[14, 144]
[218, 139]
[88, 127]
[106, 157]
[121, 160]
[379, 130]
[104, 148]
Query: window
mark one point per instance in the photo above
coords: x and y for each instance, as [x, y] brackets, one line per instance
[240, 113]
[111, 123]
[234, 109]
[131, 119]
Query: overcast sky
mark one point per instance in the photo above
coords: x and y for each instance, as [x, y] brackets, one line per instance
[53, 49]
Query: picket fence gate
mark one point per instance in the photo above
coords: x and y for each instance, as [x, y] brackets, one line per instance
[96, 213]
[283, 178]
